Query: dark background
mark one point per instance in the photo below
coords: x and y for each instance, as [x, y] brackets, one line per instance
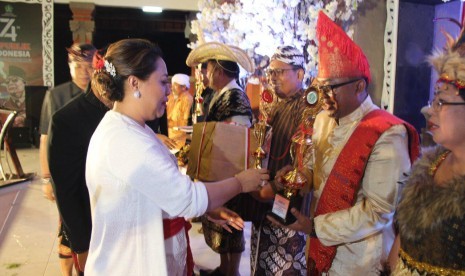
[112, 24]
[414, 45]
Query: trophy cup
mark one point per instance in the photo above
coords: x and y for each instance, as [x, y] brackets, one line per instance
[199, 87]
[301, 151]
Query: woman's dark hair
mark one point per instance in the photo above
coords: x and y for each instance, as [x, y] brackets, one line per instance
[128, 57]
[230, 68]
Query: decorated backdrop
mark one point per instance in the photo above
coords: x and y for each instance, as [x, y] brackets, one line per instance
[259, 26]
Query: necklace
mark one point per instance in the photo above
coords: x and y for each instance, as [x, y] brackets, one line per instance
[436, 163]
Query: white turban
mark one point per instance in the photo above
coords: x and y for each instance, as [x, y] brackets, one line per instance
[181, 79]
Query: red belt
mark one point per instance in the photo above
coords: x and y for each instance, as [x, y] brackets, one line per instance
[170, 228]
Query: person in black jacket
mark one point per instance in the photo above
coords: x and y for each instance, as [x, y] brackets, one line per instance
[69, 136]
[80, 65]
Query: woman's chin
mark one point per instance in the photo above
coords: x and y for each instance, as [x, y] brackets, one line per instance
[159, 115]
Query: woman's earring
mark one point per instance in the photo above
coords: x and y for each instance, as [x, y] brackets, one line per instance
[137, 94]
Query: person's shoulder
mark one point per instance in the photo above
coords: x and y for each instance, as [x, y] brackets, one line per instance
[70, 108]
[322, 116]
[187, 96]
[237, 94]
[62, 87]
[235, 90]
[208, 91]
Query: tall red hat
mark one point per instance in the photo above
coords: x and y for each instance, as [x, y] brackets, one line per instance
[339, 55]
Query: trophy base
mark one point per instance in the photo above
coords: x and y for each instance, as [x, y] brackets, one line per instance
[282, 206]
[290, 219]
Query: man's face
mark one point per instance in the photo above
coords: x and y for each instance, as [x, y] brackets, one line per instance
[15, 86]
[284, 79]
[211, 74]
[205, 76]
[178, 88]
[81, 73]
[339, 95]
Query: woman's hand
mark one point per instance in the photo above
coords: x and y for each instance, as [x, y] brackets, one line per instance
[225, 218]
[252, 179]
[169, 143]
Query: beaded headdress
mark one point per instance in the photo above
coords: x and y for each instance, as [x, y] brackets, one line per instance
[450, 62]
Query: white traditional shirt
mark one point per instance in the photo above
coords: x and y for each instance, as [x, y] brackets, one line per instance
[133, 184]
[364, 232]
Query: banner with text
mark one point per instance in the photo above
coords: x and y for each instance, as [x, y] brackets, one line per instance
[21, 60]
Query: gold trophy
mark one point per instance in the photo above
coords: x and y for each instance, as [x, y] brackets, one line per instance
[199, 87]
[262, 128]
[260, 131]
[301, 152]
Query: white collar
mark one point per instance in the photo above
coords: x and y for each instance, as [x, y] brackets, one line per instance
[231, 85]
[359, 113]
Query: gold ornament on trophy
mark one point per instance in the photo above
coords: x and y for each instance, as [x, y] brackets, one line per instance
[260, 131]
[301, 152]
[199, 87]
[268, 99]
[262, 128]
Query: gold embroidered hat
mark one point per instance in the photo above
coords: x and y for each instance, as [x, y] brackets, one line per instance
[450, 63]
[220, 51]
[338, 55]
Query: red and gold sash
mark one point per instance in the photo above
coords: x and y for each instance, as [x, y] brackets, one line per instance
[344, 180]
[170, 228]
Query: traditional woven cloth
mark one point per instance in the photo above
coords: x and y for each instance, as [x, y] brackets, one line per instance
[289, 55]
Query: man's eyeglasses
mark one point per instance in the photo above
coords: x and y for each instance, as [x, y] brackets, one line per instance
[329, 89]
[437, 104]
[277, 72]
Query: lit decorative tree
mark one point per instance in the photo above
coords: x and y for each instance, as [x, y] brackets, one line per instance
[259, 26]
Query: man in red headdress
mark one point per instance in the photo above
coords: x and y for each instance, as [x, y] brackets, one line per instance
[361, 154]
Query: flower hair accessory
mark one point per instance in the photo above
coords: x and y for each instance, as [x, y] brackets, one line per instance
[99, 64]
[110, 68]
